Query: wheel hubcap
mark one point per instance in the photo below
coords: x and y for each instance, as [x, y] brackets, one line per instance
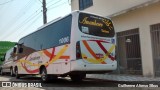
[43, 76]
[11, 72]
[1, 72]
[16, 73]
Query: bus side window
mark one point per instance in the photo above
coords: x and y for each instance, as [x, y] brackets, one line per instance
[14, 50]
[20, 50]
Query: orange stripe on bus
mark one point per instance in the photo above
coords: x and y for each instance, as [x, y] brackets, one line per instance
[64, 57]
[103, 62]
[47, 53]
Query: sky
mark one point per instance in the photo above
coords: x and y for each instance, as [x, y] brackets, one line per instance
[21, 17]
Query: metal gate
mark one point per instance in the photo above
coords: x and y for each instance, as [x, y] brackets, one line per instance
[155, 37]
[128, 52]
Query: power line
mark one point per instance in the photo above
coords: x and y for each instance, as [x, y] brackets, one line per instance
[6, 2]
[14, 20]
[29, 25]
[32, 23]
[30, 18]
[57, 5]
[22, 24]
[40, 1]
[54, 3]
[50, 1]
[21, 12]
[38, 17]
[27, 20]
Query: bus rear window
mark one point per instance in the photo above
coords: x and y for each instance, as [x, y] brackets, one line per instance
[95, 25]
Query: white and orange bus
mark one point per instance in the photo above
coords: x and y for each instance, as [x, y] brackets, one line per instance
[75, 45]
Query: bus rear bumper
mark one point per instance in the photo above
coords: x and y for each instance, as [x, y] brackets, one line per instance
[80, 65]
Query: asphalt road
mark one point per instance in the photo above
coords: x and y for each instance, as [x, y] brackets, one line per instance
[67, 84]
[63, 82]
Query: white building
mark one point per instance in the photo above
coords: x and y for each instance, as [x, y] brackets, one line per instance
[137, 23]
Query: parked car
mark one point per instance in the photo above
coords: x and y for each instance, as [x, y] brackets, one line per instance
[8, 63]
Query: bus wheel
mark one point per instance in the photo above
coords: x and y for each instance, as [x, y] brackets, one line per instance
[11, 72]
[77, 77]
[44, 76]
[17, 75]
[1, 71]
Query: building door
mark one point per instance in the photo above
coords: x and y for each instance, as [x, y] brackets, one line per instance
[155, 37]
[128, 52]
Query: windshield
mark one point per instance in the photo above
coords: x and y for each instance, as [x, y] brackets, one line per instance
[95, 25]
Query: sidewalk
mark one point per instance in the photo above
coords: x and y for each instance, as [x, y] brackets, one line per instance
[120, 77]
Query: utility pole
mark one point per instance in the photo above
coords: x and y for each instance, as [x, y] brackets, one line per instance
[44, 12]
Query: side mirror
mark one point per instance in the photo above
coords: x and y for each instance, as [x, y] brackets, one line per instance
[2, 59]
[20, 50]
[14, 50]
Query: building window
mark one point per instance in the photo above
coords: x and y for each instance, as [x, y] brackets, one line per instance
[83, 4]
[155, 37]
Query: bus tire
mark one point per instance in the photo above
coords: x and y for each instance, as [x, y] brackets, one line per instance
[44, 76]
[1, 71]
[17, 75]
[11, 72]
[77, 77]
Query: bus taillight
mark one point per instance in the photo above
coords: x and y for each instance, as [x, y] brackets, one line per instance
[78, 55]
[78, 51]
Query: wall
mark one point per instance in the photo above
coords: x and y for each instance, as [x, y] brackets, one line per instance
[108, 7]
[141, 18]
